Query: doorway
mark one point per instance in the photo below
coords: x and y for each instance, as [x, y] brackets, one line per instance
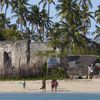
[7, 59]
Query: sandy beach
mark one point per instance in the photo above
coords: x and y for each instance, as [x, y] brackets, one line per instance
[83, 86]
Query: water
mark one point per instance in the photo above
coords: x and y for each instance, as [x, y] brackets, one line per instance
[49, 96]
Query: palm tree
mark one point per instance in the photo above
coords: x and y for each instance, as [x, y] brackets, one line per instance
[21, 19]
[71, 24]
[20, 10]
[33, 20]
[85, 5]
[15, 4]
[1, 5]
[38, 21]
[5, 3]
[48, 3]
[97, 15]
[28, 46]
[4, 22]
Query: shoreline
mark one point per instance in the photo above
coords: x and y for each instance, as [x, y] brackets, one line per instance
[65, 86]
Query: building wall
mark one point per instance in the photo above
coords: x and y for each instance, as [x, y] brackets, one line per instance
[18, 52]
[34, 49]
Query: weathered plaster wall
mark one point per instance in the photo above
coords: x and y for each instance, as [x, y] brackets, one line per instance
[20, 48]
[6, 47]
[35, 48]
[18, 52]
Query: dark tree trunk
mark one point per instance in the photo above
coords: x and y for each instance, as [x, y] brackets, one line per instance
[28, 52]
[28, 47]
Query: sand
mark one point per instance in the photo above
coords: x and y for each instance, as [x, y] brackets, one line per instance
[73, 86]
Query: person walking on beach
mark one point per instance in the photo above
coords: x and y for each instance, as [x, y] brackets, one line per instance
[24, 84]
[43, 85]
[54, 84]
[90, 71]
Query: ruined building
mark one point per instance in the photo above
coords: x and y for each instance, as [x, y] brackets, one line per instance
[13, 56]
[13, 60]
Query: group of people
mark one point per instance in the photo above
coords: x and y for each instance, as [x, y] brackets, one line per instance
[54, 84]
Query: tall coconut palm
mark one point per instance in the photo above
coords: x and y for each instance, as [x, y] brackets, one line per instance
[5, 3]
[15, 4]
[71, 20]
[4, 22]
[38, 21]
[1, 5]
[97, 15]
[28, 47]
[20, 19]
[85, 5]
[47, 3]
[20, 10]
[33, 18]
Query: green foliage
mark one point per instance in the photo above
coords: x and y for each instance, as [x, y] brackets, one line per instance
[47, 54]
[68, 34]
[97, 15]
[56, 73]
[10, 34]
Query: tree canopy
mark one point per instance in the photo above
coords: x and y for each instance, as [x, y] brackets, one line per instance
[69, 33]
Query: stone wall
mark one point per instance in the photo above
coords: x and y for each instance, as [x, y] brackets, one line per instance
[35, 48]
[14, 50]
[13, 56]
[16, 53]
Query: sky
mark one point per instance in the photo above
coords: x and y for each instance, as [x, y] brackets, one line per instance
[53, 12]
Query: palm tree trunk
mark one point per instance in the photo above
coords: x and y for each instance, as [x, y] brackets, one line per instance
[21, 27]
[28, 48]
[28, 52]
[48, 16]
[0, 9]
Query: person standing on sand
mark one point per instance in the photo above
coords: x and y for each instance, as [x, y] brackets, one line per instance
[91, 72]
[43, 85]
[54, 84]
[24, 84]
